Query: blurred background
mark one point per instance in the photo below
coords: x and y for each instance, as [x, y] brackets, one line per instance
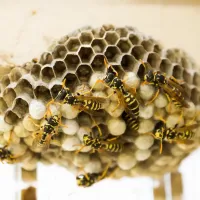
[29, 27]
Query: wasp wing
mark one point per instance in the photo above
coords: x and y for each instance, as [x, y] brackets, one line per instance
[174, 83]
[92, 98]
[172, 93]
[185, 128]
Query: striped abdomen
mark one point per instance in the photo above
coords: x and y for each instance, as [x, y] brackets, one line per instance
[113, 147]
[91, 105]
[185, 135]
[131, 103]
[43, 138]
[133, 123]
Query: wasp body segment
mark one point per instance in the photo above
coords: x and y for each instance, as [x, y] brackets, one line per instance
[170, 86]
[5, 155]
[182, 134]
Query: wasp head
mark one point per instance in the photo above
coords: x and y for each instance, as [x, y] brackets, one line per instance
[109, 77]
[149, 77]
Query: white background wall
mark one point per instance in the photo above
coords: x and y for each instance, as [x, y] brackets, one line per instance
[25, 36]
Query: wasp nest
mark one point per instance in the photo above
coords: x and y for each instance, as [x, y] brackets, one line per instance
[79, 57]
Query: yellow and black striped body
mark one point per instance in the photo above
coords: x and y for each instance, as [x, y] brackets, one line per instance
[171, 87]
[131, 103]
[95, 143]
[88, 179]
[161, 132]
[5, 154]
[172, 134]
[49, 128]
[91, 104]
[133, 123]
[113, 147]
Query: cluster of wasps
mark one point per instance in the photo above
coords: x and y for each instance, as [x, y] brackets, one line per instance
[131, 101]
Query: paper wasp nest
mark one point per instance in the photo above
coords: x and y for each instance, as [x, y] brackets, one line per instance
[79, 57]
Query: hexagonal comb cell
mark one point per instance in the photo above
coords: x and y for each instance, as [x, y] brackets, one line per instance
[63, 39]
[84, 72]
[111, 38]
[5, 81]
[122, 32]
[157, 48]
[154, 60]
[23, 86]
[59, 67]
[138, 52]
[187, 77]
[166, 66]
[135, 40]
[98, 45]
[98, 63]
[124, 45]
[71, 80]
[128, 62]
[55, 89]
[86, 53]
[11, 117]
[9, 95]
[46, 58]
[59, 51]
[98, 33]
[73, 44]
[21, 107]
[3, 105]
[177, 72]
[112, 54]
[147, 44]
[195, 95]
[86, 37]
[35, 71]
[171, 54]
[15, 75]
[72, 61]
[187, 89]
[47, 74]
[185, 63]
[42, 93]
[196, 79]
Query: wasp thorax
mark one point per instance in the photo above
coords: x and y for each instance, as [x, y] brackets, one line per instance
[109, 77]
[160, 78]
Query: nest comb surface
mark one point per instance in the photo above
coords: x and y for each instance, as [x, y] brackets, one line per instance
[79, 57]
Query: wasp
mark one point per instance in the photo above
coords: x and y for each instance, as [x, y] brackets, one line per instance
[125, 97]
[101, 144]
[43, 138]
[182, 134]
[88, 179]
[133, 123]
[88, 103]
[6, 155]
[171, 87]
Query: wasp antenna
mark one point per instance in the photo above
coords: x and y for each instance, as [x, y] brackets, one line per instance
[106, 62]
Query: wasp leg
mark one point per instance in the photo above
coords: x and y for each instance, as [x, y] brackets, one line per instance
[180, 82]
[160, 118]
[104, 172]
[118, 104]
[180, 117]
[37, 125]
[154, 97]
[82, 147]
[112, 139]
[161, 146]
